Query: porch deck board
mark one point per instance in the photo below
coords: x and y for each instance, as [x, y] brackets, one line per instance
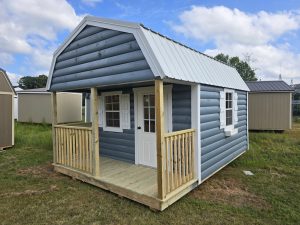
[135, 182]
[139, 179]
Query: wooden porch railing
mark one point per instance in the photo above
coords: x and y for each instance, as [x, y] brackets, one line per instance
[73, 147]
[178, 163]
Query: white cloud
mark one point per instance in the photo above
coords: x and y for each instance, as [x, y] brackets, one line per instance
[235, 32]
[29, 27]
[14, 78]
[91, 3]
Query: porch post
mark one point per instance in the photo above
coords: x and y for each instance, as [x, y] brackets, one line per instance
[95, 133]
[160, 145]
[54, 122]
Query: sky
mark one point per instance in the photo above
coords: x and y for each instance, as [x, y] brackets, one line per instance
[266, 33]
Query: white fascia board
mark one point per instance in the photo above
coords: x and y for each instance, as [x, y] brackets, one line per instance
[148, 53]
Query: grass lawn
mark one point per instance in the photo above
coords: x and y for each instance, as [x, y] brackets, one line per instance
[31, 193]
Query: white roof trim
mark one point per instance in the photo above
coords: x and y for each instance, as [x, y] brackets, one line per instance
[166, 58]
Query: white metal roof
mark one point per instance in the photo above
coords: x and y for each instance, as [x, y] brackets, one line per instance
[167, 58]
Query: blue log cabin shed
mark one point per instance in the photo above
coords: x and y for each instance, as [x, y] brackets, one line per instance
[164, 117]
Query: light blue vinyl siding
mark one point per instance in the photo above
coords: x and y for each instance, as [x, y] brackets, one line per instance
[100, 57]
[181, 107]
[216, 149]
[120, 145]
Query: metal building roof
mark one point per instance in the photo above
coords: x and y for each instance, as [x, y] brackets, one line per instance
[167, 59]
[269, 86]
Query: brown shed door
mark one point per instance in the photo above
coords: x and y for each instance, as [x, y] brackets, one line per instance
[5, 120]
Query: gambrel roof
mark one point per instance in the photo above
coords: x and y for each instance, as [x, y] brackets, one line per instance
[167, 59]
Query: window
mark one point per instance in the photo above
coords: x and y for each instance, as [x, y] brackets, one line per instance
[112, 111]
[229, 114]
[149, 113]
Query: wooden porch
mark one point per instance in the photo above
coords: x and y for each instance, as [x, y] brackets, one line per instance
[76, 154]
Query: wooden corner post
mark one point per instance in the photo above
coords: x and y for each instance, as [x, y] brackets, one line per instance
[54, 122]
[95, 133]
[160, 145]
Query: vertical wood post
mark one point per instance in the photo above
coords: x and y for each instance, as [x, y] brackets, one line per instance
[54, 122]
[160, 130]
[95, 133]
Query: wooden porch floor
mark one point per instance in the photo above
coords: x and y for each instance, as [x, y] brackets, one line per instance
[139, 179]
[134, 182]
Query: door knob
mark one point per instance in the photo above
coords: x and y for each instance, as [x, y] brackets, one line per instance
[139, 128]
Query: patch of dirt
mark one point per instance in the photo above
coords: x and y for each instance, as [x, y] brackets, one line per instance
[30, 192]
[39, 171]
[229, 191]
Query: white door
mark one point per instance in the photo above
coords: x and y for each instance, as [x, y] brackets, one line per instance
[145, 125]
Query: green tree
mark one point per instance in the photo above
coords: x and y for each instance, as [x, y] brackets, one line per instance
[30, 82]
[243, 67]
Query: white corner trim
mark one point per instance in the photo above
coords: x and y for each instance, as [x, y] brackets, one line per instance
[248, 121]
[195, 109]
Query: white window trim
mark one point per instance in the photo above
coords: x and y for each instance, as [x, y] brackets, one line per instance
[106, 128]
[229, 129]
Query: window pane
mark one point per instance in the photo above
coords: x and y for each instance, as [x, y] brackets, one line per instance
[228, 117]
[116, 123]
[116, 106]
[152, 126]
[228, 96]
[146, 125]
[107, 99]
[230, 104]
[152, 100]
[146, 113]
[146, 100]
[115, 98]
[108, 106]
[152, 113]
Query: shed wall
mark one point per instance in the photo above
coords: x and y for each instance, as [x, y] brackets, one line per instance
[69, 107]
[36, 108]
[6, 120]
[4, 86]
[100, 57]
[270, 111]
[216, 149]
[181, 107]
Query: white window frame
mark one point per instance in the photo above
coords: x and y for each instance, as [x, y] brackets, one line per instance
[231, 126]
[105, 127]
[229, 129]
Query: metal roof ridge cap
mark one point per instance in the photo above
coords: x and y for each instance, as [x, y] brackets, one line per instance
[113, 22]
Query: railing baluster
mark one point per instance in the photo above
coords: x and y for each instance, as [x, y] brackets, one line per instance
[179, 158]
[171, 164]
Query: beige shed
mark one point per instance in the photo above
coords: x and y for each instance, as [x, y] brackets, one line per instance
[6, 111]
[270, 105]
[34, 106]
